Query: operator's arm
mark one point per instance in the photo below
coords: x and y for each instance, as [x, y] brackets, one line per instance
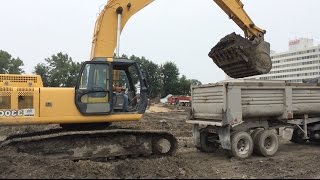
[234, 9]
[105, 33]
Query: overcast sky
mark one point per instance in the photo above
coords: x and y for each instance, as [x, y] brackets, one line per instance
[182, 31]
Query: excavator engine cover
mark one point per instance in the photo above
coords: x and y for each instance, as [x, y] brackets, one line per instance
[239, 57]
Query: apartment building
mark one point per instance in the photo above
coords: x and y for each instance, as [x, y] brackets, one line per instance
[302, 61]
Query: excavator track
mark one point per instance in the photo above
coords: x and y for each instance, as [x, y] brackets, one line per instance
[239, 57]
[99, 145]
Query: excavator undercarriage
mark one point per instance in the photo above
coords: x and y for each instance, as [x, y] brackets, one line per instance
[98, 145]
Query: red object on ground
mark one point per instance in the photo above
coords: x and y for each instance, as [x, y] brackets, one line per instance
[180, 100]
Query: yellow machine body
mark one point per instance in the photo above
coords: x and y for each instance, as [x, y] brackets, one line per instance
[27, 102]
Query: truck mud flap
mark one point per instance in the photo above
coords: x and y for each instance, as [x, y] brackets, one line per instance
[224, 137]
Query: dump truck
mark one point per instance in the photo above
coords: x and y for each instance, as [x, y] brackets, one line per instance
[246, 116]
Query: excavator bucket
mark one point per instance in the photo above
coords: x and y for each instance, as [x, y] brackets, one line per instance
[239, 57]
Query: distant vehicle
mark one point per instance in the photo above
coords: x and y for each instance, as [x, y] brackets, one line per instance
[179, 100]
[165, 99]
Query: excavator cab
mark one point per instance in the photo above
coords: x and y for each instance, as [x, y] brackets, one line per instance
[95, 90]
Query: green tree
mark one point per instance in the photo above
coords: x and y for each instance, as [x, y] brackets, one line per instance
[170, 75]
[124, 56]
[195, 82]
[153, 75]
[59, 71]
[184, 86]
[164, 79]
[42, 70]
[10, 65]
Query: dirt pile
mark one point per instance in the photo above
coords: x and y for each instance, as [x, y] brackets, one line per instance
[292, 161]
[157, 108]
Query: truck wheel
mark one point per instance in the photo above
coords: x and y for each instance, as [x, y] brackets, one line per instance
[207, 143]
[241, 145]
[255, 133]
[266, 143]
[254, 137]
[297, 136]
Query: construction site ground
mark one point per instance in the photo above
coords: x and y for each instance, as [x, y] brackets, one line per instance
[291, 161]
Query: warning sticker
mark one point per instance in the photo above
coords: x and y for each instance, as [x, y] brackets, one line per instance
[28, 112]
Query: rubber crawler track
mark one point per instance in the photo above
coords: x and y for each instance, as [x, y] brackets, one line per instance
[91, 145]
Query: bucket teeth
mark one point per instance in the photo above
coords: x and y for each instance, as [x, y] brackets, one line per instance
[239, 57]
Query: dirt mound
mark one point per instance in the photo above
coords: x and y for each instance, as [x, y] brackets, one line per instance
[156, 108]
[292, 161]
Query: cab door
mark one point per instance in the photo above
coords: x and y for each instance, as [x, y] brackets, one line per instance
[92, 93]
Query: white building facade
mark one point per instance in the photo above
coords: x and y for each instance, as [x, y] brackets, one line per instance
[302, 61]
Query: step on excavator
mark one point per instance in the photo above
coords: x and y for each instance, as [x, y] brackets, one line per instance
[86, 111]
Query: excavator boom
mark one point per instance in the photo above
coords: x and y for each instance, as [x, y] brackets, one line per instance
[106, 28]
[236, 56]
[234, 9]
[241, 57]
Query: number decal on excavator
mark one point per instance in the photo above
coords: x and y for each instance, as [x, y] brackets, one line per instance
[14, 113]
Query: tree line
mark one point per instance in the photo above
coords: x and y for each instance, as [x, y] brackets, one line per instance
[60, 70]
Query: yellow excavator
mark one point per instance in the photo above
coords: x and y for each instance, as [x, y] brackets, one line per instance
[93, 104]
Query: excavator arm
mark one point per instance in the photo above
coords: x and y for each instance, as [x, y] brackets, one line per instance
[236, 56]
[105, 33]
[241, 57]
[234, 9]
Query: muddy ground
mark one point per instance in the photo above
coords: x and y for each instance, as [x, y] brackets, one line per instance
[291, 161]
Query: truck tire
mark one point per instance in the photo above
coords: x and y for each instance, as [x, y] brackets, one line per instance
[254, 137]
[255, 133]
[241, 145]
[266, 143]
[297, 136]
[206, 145]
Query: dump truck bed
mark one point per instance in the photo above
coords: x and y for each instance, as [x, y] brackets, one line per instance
[236, 101]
